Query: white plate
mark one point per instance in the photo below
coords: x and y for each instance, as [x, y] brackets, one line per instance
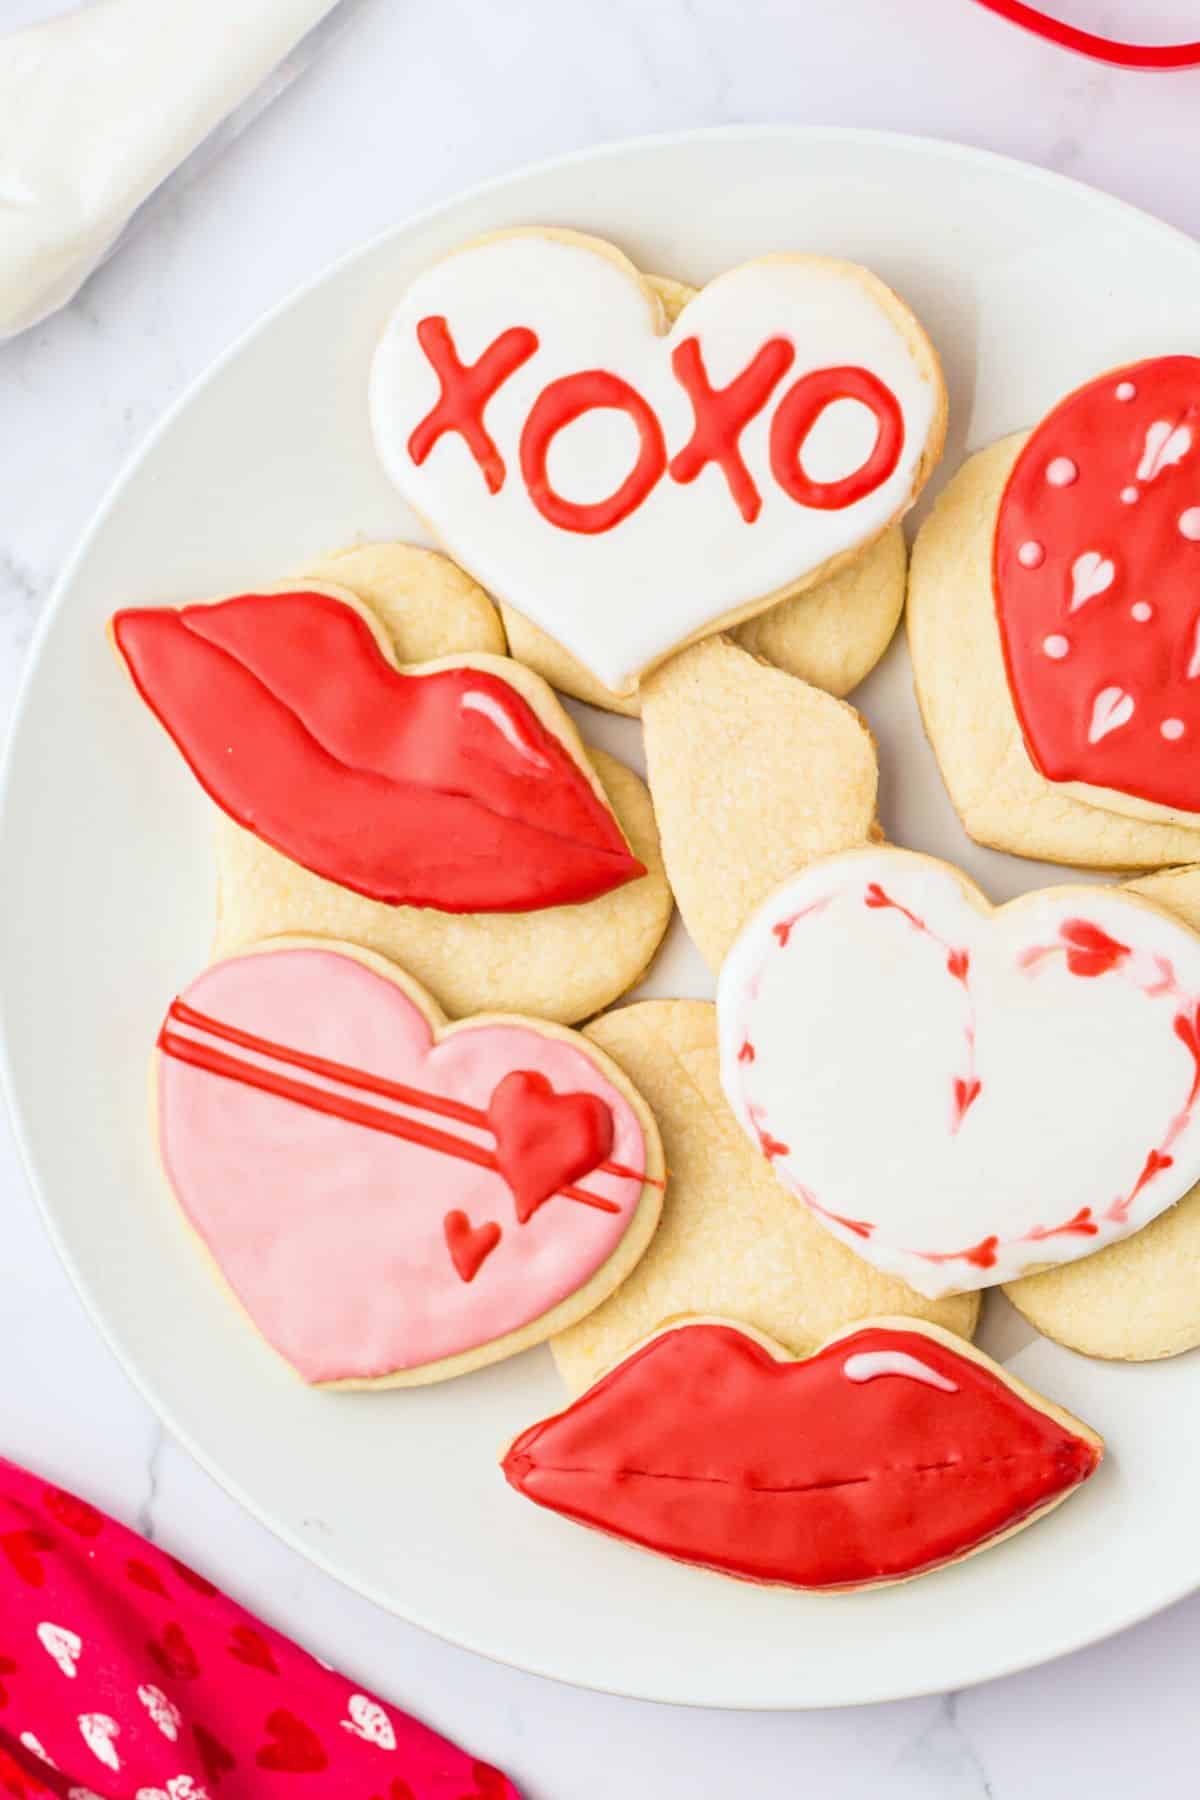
[1028, 284]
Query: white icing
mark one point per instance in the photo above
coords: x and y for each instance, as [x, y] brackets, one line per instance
[491, 709]
[859, 1031]
[620, 599]
[1130, 495]
[1056, 646]
[867, 1365]
[1166, 444]
[1141, 610]
[1125, 390]
[1031, 554]
[1189, 524]
[1091, 574]
[1111, 709]
[1172, 730]
[1062, 472]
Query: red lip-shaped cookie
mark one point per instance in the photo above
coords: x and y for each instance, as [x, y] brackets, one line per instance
[890, 1451]
[1097, 584]
[439, 787]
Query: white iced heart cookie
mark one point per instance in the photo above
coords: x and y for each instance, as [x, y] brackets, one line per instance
[629, 485]
[964, 1094]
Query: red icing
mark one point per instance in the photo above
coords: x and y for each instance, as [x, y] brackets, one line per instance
[469, 1245]
[358, 1112]
[1091, 951]
[980, 1256]
[294, 1749]
[466, 390]
[1081, 1225]
[399, 786]
[1094, 711]
[799, 411]
[703, 1446]
[545, 1141]
[558, 406]
[966, 1092]
[1088, 43]
[722, 414]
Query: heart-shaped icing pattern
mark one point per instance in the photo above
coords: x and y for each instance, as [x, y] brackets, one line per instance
[331, 1141]
[964, 1095]
[1096, 573]
[629, 485]
[891, 1450]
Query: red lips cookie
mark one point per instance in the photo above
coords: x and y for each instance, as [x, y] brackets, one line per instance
[892, 1450]
[392, 1199]
[1096, 575]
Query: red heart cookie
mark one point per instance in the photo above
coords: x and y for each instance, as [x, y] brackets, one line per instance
[385, 1193]
[891, 1450]
[1097, 584]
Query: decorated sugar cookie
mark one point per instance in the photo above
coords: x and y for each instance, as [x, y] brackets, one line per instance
[731, 1239]
[557, 962]
[628, 485]
[1097, 577]
[891, 1451]
[458, 785]
[392, 1199]
[962, 1094]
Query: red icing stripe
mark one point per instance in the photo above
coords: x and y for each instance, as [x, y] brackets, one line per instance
[1114, 51]
[703, 1446]
[442, 790]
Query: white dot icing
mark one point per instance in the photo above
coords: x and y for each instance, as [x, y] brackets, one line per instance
[1172, 730]
[1062, 472]
[1189, 524]
[1031, 554]
[1129, 495]
[1141, 610]
[1125, 390]
[1056, 646]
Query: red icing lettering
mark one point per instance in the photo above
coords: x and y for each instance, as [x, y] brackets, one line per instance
[558, 406]
[799, 411]
[722, 414]
[1096, 577]
[466, 390]
[469, 1245]
[545, 1141]
[704, 1446]
[442, 790]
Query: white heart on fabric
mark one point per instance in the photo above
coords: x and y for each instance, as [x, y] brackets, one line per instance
[962, 1094]
[62, 1646]
[99, 1731]
[368, 1720]
[163, 1712]
[567, 469]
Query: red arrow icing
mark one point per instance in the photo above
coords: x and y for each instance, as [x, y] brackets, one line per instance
[442, 790]
[1096, 573]
[703, 1446]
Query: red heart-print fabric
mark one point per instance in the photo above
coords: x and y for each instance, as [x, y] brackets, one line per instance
[123, 1673]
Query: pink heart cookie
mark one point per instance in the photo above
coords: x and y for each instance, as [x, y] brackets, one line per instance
[327, 1135]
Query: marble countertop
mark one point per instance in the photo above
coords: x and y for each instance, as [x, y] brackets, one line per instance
[416, 99]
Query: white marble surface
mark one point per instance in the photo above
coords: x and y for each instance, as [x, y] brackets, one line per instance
[417, 99]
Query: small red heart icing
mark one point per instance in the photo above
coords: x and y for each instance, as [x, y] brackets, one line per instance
[469, 1245]
[295, 1749]
[545, 1141]
[1096, 574]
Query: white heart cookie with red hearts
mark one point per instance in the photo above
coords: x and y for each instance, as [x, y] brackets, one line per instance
[393, 1198]
[629, 486]
[961, 1093]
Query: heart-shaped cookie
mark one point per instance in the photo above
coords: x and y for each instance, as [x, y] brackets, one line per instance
[629, 485]
[332, 1141]
[893, 1449]
[1097, 585]
[964, 1095]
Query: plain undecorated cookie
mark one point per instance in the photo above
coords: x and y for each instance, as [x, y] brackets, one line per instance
[962, 689]
[1139, 1300]
[753, 774]
[731, 1239]
[561, 963]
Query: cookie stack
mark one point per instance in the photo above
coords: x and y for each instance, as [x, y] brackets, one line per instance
[402, 1110]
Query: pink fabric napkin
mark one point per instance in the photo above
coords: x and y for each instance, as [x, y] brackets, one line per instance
[124, 1675]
